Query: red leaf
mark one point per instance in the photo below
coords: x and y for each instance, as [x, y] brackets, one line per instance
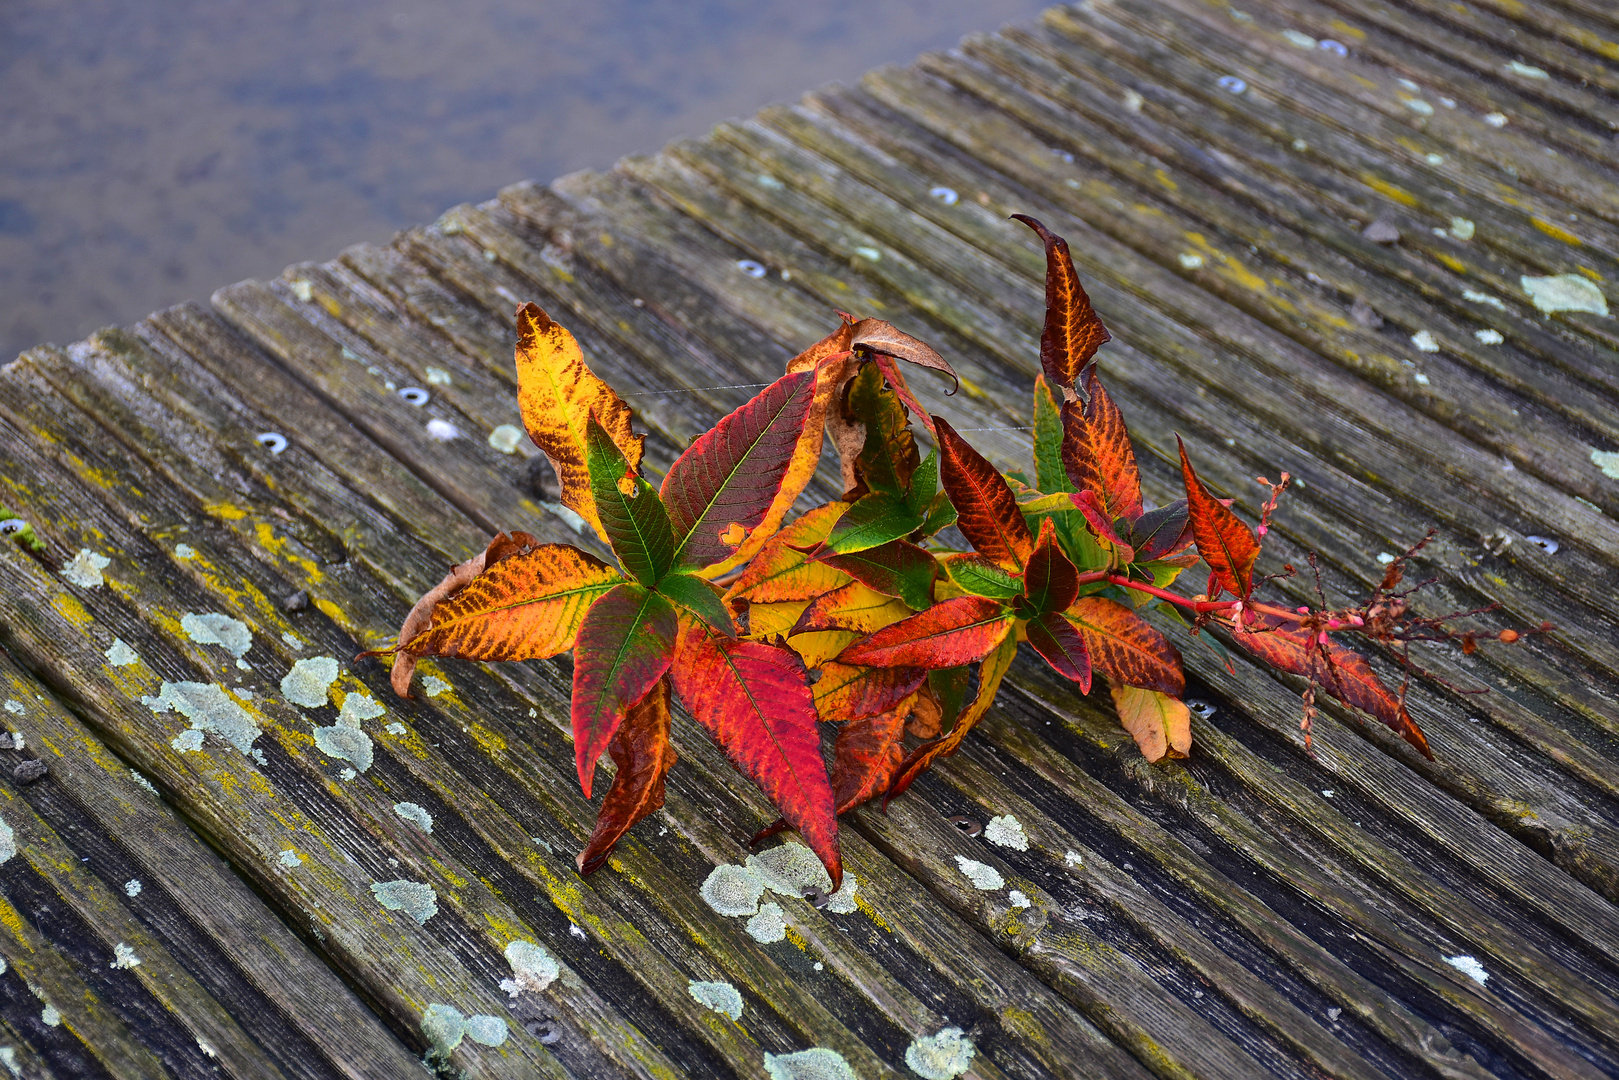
[947, 634]
[732, 472]
[988, 514]
[867, 754]
[1061, 646]
[1162, 533]
[1097, 454]
[624, 647]
[990, 673]
[1225, 543]
[1124, 646]
[641, 750]
[755, 700]
[897, 568]
[1341, 672]
[852, 692]
[1072, 332]
[1101, 526]
[1050, 581]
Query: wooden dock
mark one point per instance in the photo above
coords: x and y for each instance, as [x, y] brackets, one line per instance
[197, 887]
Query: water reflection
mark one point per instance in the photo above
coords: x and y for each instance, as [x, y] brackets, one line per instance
[151, 153]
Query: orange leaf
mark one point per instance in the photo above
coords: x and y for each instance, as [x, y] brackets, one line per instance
[852, 607]
[850, 692]
[988, 513]
[641, 750]
[1072, 332]
[1160, 724]
[526, 606]
[1096, 451]
[1223, 540]
[755, 700]
[557, 394]
[624, 647]
[947, 634]
[838, 341]
[1341, 672]
[783, 572]
[1125, 647]
[867, 754]
[990, 673]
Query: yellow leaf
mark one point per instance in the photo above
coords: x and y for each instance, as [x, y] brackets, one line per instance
[780, 572]
[557, 394]
[767, 621]
[1160, 724]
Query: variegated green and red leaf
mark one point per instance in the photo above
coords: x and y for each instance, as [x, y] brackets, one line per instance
[632, 516]
[643, 755]
[1050, 582]
[852, 691]
[624, 646]
[1062, 646]
[897, 568]
[948, 634]
[755, 700]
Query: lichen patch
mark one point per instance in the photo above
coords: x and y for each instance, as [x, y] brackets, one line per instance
[290, 859]
[1469, 966]
[442, 1027]
[414, 814]
[209, 709]
[433, 686]
[15, 707]
[768, 926]
[943, 1056]
[132, 888]
[982, 876]
[733, 890]
[1607, 461]
[346, 743]
[358, 707]
[84, 569]
[8, 842]
[722, 997]
[817, 1063]
[217, 628]
[533, 968]
[1006, 831]
[843, 902]
[790, 869]
[418, 901]
[488, 1030]
[124, 957]
[119, 654]
[1564, 292]
[309, 681]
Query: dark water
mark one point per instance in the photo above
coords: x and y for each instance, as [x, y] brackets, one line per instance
[150, 153]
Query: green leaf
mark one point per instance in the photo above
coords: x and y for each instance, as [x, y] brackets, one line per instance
[701, 599]
[924, 484]
[875, 519]
[941, 515]
[1049, 474]
[980, 577]
[896, 568]
[624, 646]
[889, 455]
[949, 686]
[1163, 576]
[632, 515]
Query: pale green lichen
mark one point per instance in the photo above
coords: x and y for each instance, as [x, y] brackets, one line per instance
[217, 628]
[790, 869]
[442, 1027]
[395, 728]
[292, 641]
[1461, 228]
[506, 438]
[981, 875]
[1469, 966]
[842, 902]
[358, 707]
[124, 957]
[132, 888]
[346, 743]
[767, 926]
[414, 814]
[8, 1058]
[290, 859]
[433, 686]
[188, 741]
[1073, 858]
[185, 551]
[1019, 899]
[818, 1063]
[722, 997]
[15, 707]
[8, 842]
[145, 783]
[209, 710]
[50, 1016]
[488, 1030]
[418, 901]
[733, 890]
[1006, 831]
[1607, 461]
[84, 569]
[309, 681]
[120, 654]
[533, 968]
[943, 1056]
[437, 376]
[1565, 292]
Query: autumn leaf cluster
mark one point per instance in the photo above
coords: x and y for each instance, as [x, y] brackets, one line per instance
[854, 631]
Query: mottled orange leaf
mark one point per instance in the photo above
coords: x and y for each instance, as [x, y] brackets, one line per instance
[525, 607]
[1341, 672]
[1062, 646]
[755, 700]
[851, 607]
[867, 754]
[557, 394]
[642, 752]
[1125, 647]
[1160, 724]
[1096, 451]
[947, 634]
[849, 692]
[731, 474]
[624, 647]
[836, 343]
[990, 673]
[1072, 332]
[781, 571]
[1223, 540]
[987, 511]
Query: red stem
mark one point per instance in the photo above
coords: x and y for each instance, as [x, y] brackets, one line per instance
[1199, 606]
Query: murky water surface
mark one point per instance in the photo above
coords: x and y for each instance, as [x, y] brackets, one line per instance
[150, 153]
